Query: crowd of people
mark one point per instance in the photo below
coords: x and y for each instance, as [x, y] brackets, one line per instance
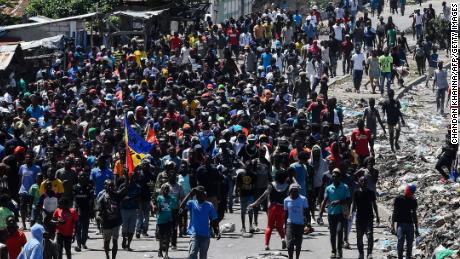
[237, 117]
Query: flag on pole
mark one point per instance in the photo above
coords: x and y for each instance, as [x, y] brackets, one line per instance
[136, 147]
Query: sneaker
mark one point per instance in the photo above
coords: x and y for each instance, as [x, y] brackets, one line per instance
[339, 254]
[320, 221]
[267, 248]
[173, 247]
[333, 255]
[160, 254]
[346, 245]
[145, 234]
[369, 256]
[256, 228]
[243, 230]
[283, 244]
[251, 230]
[138, 235]
[85, 247]
[77, 249]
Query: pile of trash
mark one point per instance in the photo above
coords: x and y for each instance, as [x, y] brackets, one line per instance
[438, 203]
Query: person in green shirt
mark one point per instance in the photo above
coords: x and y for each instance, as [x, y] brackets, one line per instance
[34, 192]
[386, 63]
[391, 37]
[166, 207]
[4, 214]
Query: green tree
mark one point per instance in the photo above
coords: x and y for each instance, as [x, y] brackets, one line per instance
[59, 9]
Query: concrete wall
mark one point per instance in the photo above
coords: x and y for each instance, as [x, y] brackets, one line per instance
[45, 30]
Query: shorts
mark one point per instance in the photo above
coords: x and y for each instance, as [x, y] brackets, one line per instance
[111, 233]
[163, 231]
[393, 127]
[430, 72]
[294, 235]
[25, 199]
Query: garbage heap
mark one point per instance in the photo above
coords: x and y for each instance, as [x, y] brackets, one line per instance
[439, 204]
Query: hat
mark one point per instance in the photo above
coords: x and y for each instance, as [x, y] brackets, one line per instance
[294, 186]
[109, 97]
[251, 137]
[19, 150]
[222, 141]
[410, 190]
[210, 87]
[93, 91]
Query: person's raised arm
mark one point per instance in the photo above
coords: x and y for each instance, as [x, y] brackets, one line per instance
[187, 197]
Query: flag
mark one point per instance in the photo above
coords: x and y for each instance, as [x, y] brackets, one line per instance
[151, 136]
[136, 147]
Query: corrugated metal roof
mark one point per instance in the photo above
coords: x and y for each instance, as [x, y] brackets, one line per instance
[140, 14]
[5, 59]
[27, 25]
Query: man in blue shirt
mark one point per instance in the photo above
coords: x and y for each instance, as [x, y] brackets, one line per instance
[201, 212]
[433, 64]
[35, 110]
[301, 172]
[337, 196]
[28, 173]
[266, 58]
[297, 19]
[296, 208]
[100, 174]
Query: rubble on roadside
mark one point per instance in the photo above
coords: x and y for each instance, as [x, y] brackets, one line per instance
[421, 140]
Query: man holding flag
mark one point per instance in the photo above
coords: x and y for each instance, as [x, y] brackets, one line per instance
[136, 147]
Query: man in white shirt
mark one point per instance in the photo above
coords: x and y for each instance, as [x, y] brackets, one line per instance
[339, 13]
[338, 35]
[358, 62]
[418, 24]
[245, 39]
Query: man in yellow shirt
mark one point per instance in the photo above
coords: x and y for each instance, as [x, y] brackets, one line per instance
[56, 184]
[191, 103]
[139, 54]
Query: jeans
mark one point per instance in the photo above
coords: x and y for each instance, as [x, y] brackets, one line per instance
[64, 242]
[301, 103]
[405, 233]
[143, 214]
[81, 234]
[418, 31]
[244, 203]
[230, 185]
[199, 245]
[346, 64]
[440, 97]
[363, 228]
[383, 76]
[129, 221]
[336, 222]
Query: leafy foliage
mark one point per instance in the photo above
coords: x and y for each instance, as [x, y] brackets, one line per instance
[59, 8]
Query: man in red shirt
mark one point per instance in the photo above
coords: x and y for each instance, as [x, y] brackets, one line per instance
[347, 48]
[233, 37]
[360, 141]
[16, 238]
[175, 43]
[66, 219]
